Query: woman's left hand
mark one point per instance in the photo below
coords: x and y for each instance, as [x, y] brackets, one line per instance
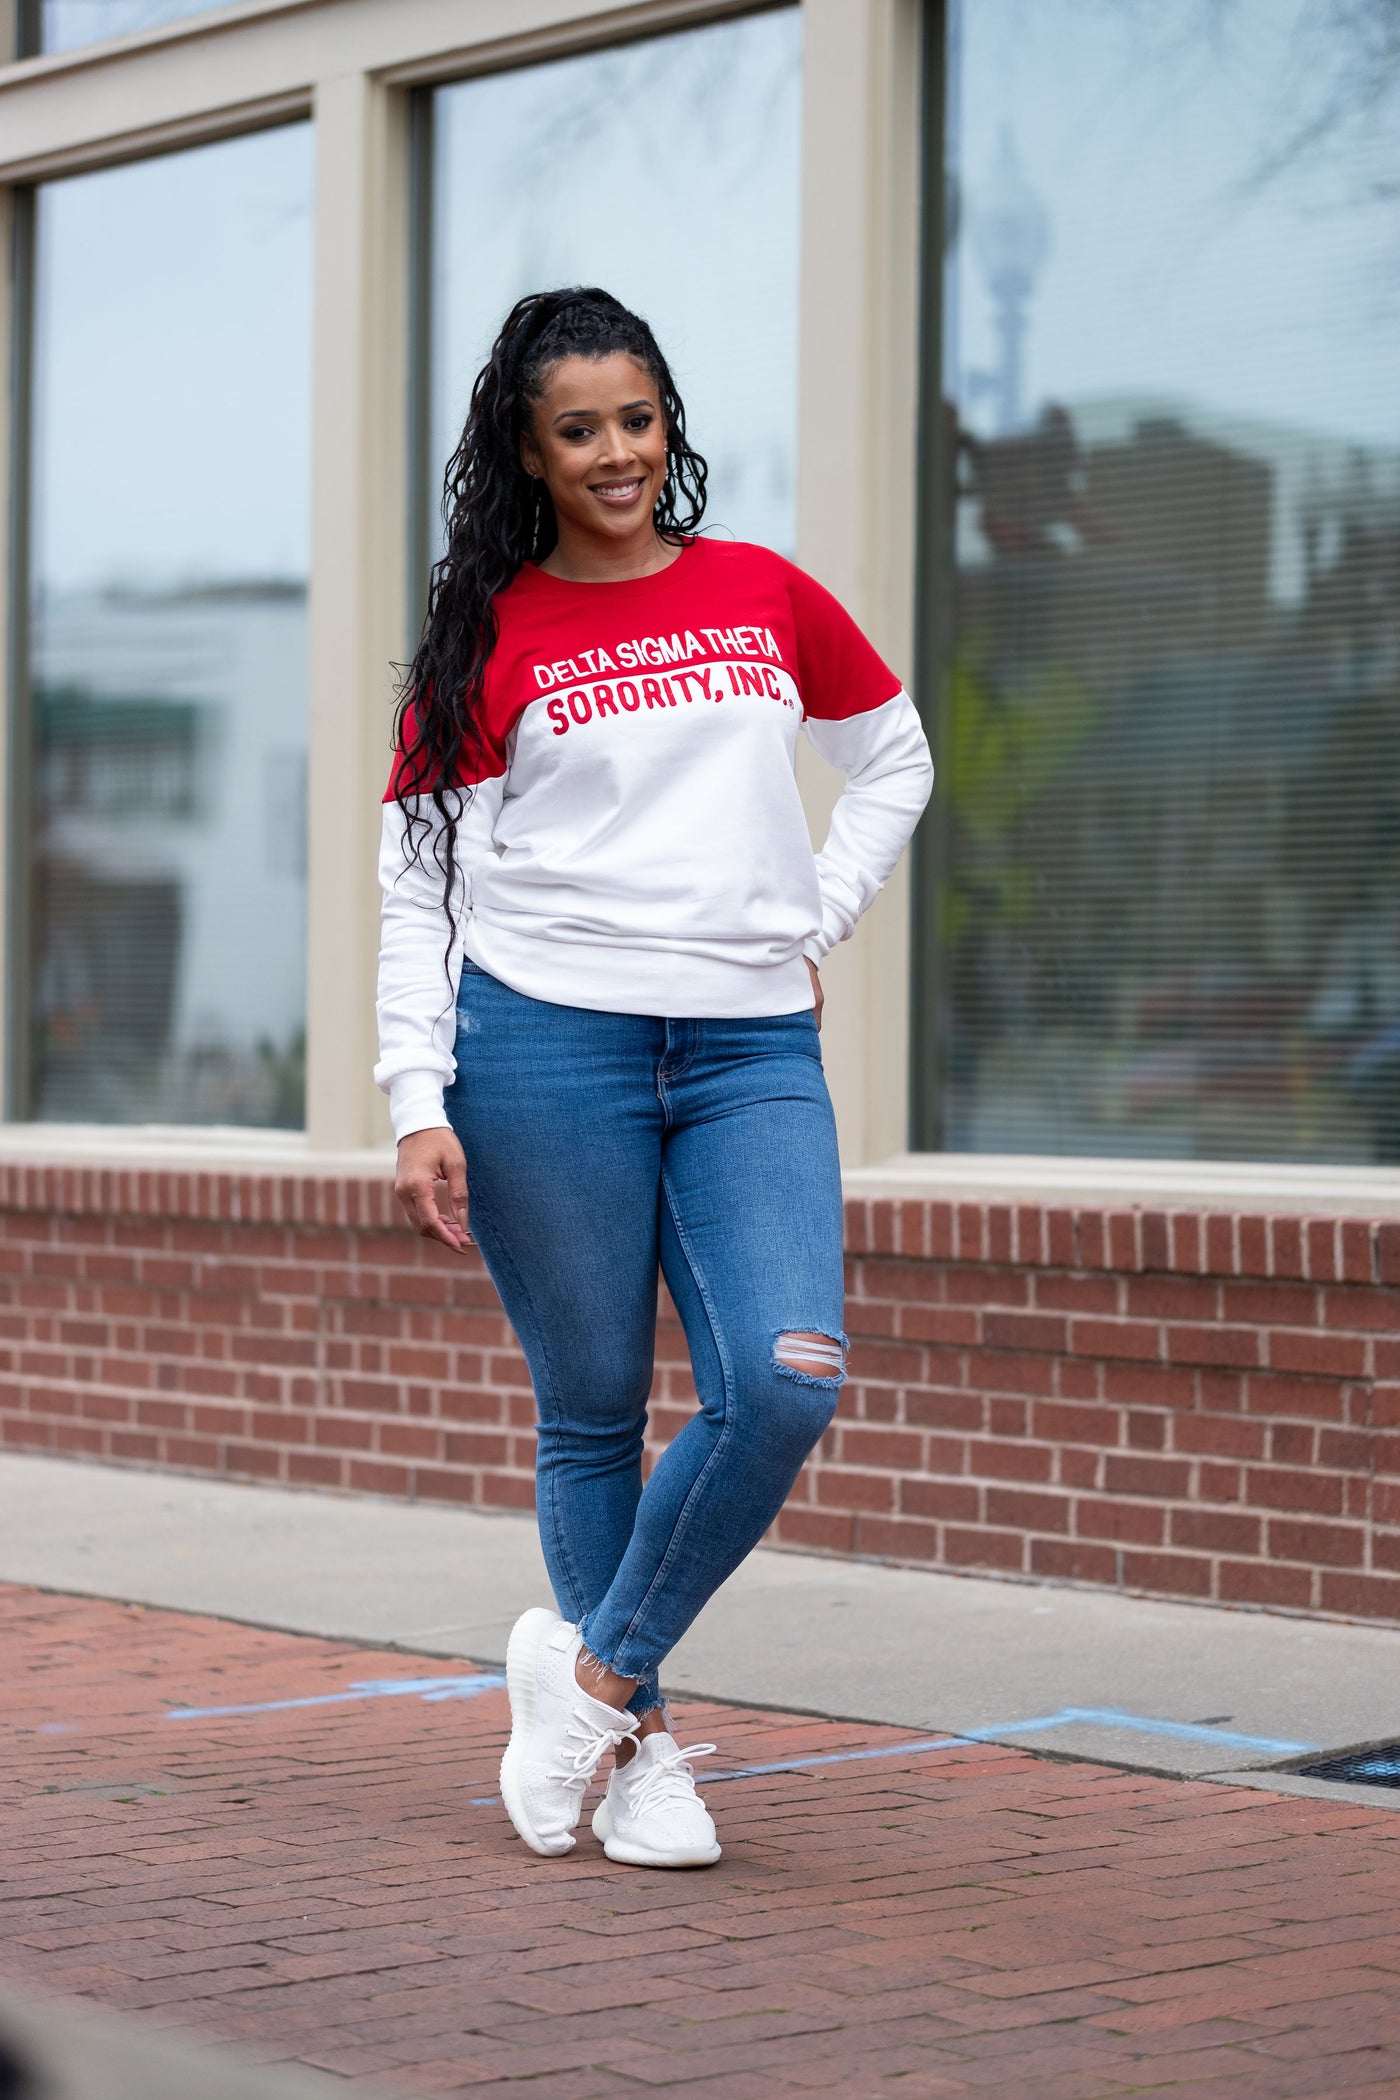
[816, 991]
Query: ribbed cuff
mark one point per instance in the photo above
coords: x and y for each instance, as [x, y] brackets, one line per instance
[415, 1103]
[835, 926]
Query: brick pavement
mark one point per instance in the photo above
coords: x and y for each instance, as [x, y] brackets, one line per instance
[321, 1882]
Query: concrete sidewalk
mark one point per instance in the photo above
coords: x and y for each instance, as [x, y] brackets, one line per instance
[1179, 1689]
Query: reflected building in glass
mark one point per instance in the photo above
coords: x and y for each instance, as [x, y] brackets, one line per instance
[169, 857]
[164, 921]
[1162, 599]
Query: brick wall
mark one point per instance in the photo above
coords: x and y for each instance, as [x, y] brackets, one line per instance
[1184, 1404]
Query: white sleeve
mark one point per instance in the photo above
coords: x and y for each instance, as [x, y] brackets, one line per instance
[884, 755]
[420, 955]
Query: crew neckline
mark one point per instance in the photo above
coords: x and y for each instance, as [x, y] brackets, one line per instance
[653, 580]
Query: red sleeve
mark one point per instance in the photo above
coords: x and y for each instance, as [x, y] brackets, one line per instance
[482, 758]
[838, 671]
[482, 754]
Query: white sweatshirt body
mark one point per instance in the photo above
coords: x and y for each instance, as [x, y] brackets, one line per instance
[633, 840]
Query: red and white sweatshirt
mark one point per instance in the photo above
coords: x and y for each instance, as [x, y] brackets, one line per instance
[632, 838]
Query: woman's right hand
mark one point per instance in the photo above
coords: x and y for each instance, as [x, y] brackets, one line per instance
[426, 1158]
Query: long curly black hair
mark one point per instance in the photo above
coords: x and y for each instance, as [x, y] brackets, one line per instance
[497, 518]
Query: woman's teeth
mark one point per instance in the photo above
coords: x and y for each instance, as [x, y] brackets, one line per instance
[617, 491]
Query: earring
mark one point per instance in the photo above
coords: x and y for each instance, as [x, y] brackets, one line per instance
[537, 520]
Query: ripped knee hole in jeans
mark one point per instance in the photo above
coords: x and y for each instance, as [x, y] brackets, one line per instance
[813, 1358]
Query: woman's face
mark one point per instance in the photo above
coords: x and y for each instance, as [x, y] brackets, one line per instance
[598, 438]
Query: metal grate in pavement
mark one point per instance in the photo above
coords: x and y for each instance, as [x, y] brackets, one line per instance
[1362, 1768]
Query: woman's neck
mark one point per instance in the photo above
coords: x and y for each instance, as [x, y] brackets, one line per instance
[582, 557]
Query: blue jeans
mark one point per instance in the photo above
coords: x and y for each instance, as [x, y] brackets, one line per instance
[600, 1146]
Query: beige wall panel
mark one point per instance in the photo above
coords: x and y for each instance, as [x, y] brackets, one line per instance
[856, 471]
[7, 297]
[207, 74]
[357, 608]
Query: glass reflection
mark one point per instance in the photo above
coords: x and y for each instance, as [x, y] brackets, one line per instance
[60, 25]
[1165, 896]
[666, 171]
[166, 819]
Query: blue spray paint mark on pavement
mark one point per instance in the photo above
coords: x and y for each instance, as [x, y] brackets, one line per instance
[433, 1689]
[429, 1688]
[1179, 1731]
[843, 1757]
[1067, 1717]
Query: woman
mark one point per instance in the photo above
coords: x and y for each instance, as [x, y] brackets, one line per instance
[599, 997]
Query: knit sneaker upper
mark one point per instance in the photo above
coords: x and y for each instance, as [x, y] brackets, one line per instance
[652, 1811]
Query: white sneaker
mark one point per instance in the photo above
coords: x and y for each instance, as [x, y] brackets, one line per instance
[651, 1815]
[558, 1732]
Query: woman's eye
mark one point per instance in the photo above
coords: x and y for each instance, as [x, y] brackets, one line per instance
[642, 422]
[578, 430]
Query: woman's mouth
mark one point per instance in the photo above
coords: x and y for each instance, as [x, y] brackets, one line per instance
[618, 494]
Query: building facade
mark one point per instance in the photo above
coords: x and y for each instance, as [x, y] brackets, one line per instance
[1059, 343]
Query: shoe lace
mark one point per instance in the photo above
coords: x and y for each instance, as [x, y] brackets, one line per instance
[670, 1781]
[583, 1749]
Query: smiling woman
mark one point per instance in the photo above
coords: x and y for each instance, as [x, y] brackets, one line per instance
[598, 452]
[634, 920]
[595, 446]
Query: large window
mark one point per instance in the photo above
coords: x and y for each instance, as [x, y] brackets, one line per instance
[1161, 579]
[161, 798]
[666, 171]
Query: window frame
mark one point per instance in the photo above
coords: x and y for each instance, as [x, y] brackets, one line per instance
[934, 552]
[16, 749]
